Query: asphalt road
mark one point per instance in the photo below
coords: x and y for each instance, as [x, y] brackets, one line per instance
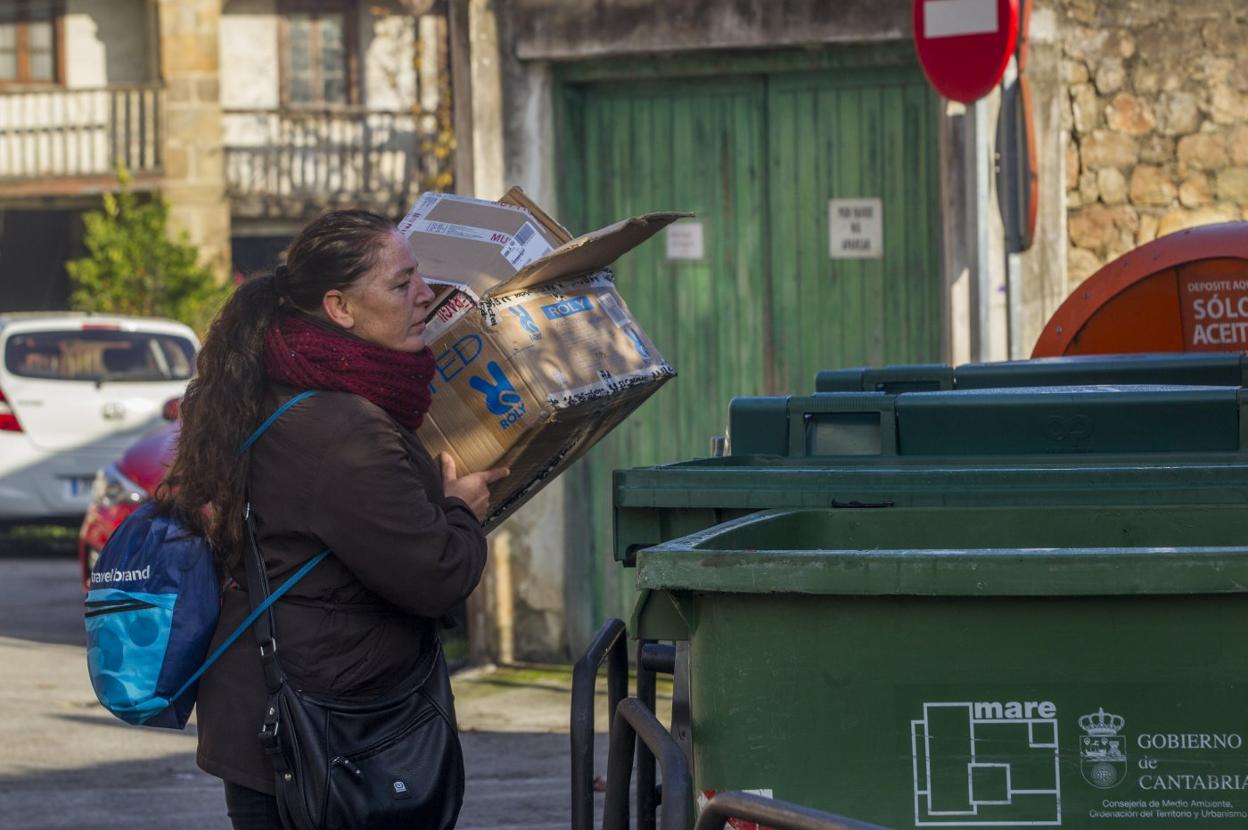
[66, 763]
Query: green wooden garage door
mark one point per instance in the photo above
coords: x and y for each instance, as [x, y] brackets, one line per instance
[759, 158]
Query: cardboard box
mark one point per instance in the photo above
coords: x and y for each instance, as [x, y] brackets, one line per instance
[537, 354]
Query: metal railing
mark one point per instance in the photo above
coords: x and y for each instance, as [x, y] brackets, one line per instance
[636, 731]
[633, 723]
[610, 644]
[79, 133]
[292, 162]
[767, 812]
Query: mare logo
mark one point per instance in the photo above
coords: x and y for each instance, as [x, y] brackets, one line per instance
[986, 763]
[527, 322]
[501, 397]
[566, 308]
[1101, 757]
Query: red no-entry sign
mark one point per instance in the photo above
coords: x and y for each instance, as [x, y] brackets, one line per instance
[965, 45]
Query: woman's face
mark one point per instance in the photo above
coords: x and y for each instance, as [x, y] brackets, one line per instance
[388, 305]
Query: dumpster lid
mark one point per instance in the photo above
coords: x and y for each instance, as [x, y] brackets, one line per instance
[1070, 551]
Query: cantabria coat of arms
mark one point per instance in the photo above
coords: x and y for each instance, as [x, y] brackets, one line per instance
[1102, 755]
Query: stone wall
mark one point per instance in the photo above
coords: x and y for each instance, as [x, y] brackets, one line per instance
[1156, 121]
[194, 181]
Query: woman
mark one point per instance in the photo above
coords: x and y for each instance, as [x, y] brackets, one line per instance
[342, 469]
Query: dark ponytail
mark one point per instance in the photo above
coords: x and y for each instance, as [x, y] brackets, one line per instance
[226, 399]
[222, 405]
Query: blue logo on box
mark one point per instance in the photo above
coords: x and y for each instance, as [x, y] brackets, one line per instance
[637, 344]
[501, 397]
[457, 357]
[527, 322]
[566, 308]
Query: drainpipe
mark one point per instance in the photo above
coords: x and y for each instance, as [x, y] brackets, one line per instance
[1013, 261]
[982, 167]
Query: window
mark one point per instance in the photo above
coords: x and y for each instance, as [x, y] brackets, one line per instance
[98, 355]
[317, 53]
[30, 42]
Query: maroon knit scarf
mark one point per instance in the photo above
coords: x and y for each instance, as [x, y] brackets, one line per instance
[306, 355]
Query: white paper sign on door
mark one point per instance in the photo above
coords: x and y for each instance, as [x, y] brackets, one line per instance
[855, 228]
[684, 241]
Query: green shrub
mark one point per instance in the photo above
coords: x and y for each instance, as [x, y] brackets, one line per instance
[134, 267]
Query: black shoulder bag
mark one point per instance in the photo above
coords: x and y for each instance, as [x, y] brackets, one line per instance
[384, 765]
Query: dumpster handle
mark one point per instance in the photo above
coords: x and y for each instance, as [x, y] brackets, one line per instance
[778, 815]
[610, 643]
[632, 721]
[865, 505]
[657, 657]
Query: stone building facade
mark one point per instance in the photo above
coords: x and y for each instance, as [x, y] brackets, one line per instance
[248, 116]
[1155, 121]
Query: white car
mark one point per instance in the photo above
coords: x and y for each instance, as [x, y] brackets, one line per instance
[75, 391]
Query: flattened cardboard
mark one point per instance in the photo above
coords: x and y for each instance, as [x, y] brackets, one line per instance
[516, 196]
[493, 248]
[473, 244]
[590, 252]
[530, 378]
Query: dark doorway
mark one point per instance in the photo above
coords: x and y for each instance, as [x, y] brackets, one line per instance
[34, 247]
[257, 254]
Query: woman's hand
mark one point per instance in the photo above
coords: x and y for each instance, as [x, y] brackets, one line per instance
[473, 490]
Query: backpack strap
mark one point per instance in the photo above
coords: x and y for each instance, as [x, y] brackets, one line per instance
[251, 618]
[255, 436]
[261, 607]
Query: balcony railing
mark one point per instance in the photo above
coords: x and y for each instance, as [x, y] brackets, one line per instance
[293, 163]
[51, 136]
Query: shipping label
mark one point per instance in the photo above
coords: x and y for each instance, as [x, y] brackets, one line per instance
[421, 209]
[614, 310]
[447, 315]
[430, 200]
[525, 247]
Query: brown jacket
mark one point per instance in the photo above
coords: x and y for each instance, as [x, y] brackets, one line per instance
[336, 471]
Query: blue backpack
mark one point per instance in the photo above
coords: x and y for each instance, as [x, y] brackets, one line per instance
[152, 610]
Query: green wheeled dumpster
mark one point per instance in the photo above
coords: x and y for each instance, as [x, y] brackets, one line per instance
[1193, 368]
[1050, 445]
[964, 667]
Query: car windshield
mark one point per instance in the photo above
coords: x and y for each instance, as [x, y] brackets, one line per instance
[99, 355]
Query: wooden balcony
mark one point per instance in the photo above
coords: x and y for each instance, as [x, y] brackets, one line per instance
[295, 163]
[68, 142]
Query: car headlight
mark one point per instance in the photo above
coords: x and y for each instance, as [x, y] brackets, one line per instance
[111, 488]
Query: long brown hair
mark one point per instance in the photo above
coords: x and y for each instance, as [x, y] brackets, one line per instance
[225, 401]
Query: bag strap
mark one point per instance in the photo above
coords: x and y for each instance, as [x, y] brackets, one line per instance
[261, 617]
[258, 608]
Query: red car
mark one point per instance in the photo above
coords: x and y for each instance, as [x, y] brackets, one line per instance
[122, 486]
